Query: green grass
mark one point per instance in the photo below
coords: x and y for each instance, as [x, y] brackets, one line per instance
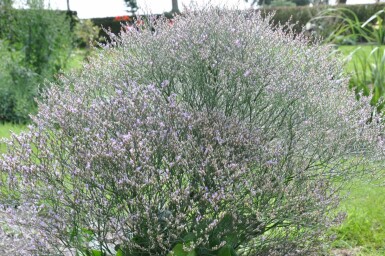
[5, 132]
[362, 233]
[75, 61]
[359, 52]
[364, 225]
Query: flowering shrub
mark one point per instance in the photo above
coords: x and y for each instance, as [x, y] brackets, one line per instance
[219, 135]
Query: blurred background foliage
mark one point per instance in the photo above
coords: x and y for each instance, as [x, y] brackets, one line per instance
[35, 44]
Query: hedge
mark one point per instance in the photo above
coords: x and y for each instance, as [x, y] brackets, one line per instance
[300, 15]
[7, 15]
[112, 24]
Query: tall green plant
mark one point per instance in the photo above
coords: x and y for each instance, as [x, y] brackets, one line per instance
[348, 28]
[86, 34]
[6, 107]
[39, 44]
[368, 76]
[44, 37]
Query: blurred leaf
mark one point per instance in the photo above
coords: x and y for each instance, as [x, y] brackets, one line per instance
[178, 251]
[225, 251]
[119, 253]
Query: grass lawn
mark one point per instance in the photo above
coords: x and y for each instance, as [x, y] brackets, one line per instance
[359, 52]
[5, 132]
[75, 61]
[363, 230]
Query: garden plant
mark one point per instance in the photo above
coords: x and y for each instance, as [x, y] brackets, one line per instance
[218, 134]
[367, 74]
[35, 44]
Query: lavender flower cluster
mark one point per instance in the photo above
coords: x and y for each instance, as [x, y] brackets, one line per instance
[218, 131]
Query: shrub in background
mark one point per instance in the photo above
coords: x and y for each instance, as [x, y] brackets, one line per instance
[112, 24]
[39, 43]
[15, 87]
[301, 15]
[5, 16]
[350, 28]
[215, 135]
[301, 2]
[86, 33]
[5, 79]
[282, 3]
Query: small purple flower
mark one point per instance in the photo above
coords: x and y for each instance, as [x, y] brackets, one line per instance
[247, 73]
[165, 83]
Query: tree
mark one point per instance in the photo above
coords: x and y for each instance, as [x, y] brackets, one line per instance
[259, 2]
[6, 3]
[253, 2]
[175, 6]
[269, 2]
[132, 5]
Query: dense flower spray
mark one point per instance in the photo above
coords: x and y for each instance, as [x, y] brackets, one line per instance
[219, 133]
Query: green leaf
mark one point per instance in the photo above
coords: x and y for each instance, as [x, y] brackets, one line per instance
[374, 16]
[226, 250]
[86, 252]
[96, 253]
[119, 253]
[178, 251]
[189, 237]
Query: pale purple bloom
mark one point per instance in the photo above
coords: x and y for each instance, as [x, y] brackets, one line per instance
[248, 136]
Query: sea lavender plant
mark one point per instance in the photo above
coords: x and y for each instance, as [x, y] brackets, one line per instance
[217, 135]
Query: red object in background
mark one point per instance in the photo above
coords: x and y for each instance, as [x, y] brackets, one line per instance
[139, 23]
[122, 18]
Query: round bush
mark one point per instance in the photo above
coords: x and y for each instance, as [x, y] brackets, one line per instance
[217, 134]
